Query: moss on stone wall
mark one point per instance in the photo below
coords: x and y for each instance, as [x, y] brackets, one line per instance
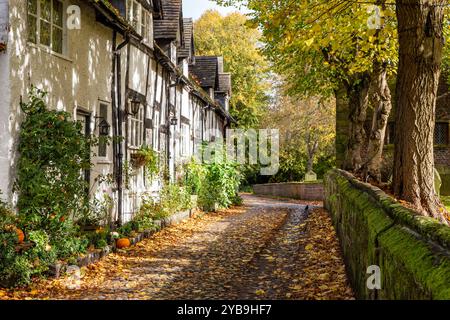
[411, 250]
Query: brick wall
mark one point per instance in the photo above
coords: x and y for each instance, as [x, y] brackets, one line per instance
[294, 190]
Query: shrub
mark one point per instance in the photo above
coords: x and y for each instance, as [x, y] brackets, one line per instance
[98, 238]
[194, 175]
[14, 269]
[220, 186]
[127, 229]
[53, 151]
[17, 267]
[152, 210]
[174, 199]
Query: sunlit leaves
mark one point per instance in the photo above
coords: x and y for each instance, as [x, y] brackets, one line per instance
[318, 43]
[230, 37]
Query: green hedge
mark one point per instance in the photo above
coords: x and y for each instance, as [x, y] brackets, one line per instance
[411, 250]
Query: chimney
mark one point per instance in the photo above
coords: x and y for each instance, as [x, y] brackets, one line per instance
[220, 64]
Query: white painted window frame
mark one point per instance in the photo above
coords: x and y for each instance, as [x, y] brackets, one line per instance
[136, 129]
[38, 18]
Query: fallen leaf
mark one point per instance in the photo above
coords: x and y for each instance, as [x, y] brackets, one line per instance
[260, 292]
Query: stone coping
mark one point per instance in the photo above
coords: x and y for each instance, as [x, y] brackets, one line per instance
[428, 227]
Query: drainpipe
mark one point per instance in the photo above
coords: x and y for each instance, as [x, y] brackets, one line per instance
[113, 107]
[118, 130]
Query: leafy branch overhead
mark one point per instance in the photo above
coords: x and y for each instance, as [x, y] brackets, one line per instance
[228, 36]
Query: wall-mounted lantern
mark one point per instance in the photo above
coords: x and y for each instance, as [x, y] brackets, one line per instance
[104, 128]
[174, 121]
[135, 105]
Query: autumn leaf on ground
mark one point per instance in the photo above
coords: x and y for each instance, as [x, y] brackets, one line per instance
[260, 292]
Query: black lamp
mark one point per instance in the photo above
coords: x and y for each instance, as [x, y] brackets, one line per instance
[174, 121]
[103, 128]
[135, 105]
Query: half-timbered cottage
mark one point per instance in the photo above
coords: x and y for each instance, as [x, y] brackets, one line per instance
[129, 64]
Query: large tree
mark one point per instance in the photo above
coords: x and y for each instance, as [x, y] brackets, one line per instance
[307, 133]
[325, 47]
[421, 40]
[231, 37]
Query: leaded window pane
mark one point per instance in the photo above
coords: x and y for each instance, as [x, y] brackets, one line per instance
[46, 9]
[32, 29]
[45, 33]
[57, 13]
[32, 6]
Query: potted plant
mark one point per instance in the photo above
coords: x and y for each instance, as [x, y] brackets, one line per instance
[148, 158]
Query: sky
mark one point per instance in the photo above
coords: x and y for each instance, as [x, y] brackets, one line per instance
[195, 8]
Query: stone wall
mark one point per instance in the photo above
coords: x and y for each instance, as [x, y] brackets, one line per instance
[294, 190]
[412, 251]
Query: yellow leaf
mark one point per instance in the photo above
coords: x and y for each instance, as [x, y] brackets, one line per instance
[324, 276]
[309, 42]
[260, 292]
[309, 247]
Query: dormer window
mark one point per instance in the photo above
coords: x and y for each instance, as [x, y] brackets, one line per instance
[141, 20]
[146, 26]
[134, 14]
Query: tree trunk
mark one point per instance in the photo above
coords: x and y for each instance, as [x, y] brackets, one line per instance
[420, 25]
[380, 97]
[342, 114]
[312, 146]
[358, 95]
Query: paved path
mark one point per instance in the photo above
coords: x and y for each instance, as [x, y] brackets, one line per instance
[253, 252]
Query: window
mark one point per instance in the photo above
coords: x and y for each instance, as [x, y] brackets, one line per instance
[185, 139]
[45, 23]
[136, 129]
[441, 135]
[134, 14]
[85, 119]
[141, 20]
[156, 131]
[103, 143]
[146, 27]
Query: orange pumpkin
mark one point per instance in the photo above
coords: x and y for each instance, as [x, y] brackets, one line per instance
[20, 235]
[123, 243]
